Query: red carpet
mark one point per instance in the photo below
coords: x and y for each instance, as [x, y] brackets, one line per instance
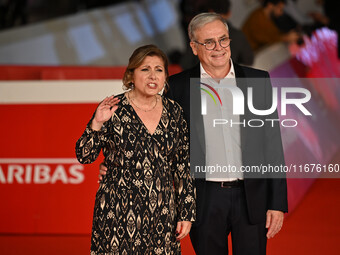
[314, 227]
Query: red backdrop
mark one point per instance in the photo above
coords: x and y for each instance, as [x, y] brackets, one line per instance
[43, 188]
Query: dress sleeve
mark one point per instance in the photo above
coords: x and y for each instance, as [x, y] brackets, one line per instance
[183, 181]
[90, 143]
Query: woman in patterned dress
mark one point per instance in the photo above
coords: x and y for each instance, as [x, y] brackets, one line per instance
[146, 202]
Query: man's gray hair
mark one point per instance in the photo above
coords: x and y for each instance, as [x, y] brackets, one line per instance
[202, 19]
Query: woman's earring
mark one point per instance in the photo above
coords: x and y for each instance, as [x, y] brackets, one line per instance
[166, 86]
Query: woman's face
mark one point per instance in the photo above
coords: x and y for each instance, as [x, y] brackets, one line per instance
[149, 77]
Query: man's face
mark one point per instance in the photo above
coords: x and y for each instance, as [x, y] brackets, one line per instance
[277, 10]
[218, 57]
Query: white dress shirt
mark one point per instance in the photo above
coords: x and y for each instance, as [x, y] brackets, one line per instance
[223, 142]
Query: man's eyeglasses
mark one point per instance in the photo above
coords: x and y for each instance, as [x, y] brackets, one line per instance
[211, 44]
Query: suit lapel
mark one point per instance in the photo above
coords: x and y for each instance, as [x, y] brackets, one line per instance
[242, 84]
[195, 106]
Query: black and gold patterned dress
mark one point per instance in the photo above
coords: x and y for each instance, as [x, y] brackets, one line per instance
[147, 188]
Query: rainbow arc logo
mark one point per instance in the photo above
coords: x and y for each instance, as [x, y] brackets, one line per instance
[204, 99]
[209, 93]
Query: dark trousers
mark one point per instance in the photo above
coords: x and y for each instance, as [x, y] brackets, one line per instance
[224, 213]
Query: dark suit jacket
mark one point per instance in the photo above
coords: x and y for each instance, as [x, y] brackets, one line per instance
[259, 145]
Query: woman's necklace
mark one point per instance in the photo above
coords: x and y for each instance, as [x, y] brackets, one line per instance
[147, 110]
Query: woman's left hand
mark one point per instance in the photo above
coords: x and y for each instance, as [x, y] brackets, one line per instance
[183, 228]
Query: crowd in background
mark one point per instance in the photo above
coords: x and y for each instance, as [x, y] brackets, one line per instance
[21, 12]
[274, 21]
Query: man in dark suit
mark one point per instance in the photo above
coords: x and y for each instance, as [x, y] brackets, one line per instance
[251, 209]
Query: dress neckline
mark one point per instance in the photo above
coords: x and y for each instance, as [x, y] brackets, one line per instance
[140, 120]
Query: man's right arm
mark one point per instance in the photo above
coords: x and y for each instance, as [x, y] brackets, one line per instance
[102, 171]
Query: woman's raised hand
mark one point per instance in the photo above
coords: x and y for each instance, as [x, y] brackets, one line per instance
[104, 112]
